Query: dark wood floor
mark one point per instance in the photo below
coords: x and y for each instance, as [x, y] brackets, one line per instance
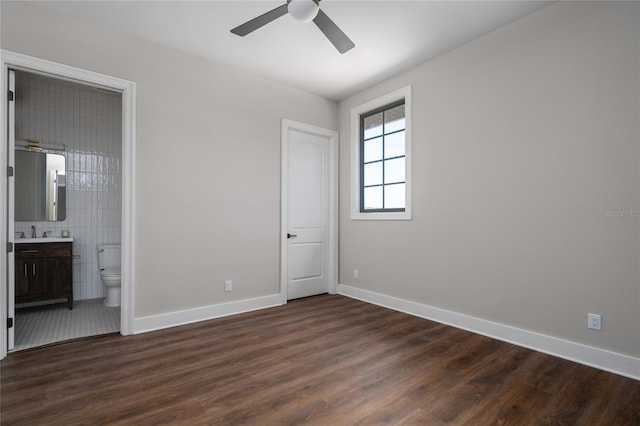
[326, 360]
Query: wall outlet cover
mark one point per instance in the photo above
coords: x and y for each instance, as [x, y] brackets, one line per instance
[594, 321]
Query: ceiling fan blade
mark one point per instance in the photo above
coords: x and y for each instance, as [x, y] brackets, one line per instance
[264, 19]
[333, 33]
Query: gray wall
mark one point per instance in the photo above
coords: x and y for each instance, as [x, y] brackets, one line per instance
[208, 159]
[525, 179]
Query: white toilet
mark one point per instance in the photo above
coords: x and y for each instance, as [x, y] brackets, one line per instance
[109, 265]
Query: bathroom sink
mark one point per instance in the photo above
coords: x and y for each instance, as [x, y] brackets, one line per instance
[43, 240]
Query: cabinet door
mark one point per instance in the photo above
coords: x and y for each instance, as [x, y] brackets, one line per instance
[38, 277]
[59, 272]
[22, 277]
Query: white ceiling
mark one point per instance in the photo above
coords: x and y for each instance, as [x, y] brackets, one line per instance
[390, 35]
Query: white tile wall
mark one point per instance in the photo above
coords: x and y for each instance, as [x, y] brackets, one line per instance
[88, 121]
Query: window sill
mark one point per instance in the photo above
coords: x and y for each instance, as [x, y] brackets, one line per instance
[381, 216]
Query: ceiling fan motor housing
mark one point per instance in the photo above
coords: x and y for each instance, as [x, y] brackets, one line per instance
[303, 10]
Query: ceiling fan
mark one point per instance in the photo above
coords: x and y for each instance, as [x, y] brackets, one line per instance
[303, 11]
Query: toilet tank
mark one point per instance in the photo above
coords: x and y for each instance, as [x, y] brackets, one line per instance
[108, 256]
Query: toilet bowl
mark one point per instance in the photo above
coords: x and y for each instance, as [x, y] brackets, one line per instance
[109, 266]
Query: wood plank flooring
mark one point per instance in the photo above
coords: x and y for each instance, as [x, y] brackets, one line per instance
[325, 360]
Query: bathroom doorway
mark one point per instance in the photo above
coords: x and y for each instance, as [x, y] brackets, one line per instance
[80, 127]
[94, 167]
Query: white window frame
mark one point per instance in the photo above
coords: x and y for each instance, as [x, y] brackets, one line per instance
[356, 112]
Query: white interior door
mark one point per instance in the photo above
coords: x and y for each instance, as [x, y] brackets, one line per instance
[309, 207]
[11, 127]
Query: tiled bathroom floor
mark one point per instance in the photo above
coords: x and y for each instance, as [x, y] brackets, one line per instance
[41, 325]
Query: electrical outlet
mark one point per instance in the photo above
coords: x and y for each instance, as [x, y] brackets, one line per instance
[594, 321]
[228, 285]
[356, 274]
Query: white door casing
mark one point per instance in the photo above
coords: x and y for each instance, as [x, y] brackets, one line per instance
[309, 210]
[17, 61]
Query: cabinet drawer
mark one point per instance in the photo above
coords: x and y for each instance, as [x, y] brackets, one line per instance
[26, 251]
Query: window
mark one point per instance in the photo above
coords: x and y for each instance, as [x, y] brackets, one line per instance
[380, 158]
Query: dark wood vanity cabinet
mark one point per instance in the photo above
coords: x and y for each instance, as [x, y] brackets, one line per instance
[44, 272]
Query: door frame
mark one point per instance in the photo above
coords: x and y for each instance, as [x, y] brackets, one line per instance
[20, 62]
[332, 137]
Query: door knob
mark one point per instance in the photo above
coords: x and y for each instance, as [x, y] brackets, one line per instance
[291, 235]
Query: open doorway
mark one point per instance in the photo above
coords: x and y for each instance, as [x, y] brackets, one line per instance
[66, 202]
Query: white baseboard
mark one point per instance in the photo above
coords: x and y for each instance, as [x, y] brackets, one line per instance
[188, 316]
[602, 359]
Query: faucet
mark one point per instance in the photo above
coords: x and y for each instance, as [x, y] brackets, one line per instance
[33, 231]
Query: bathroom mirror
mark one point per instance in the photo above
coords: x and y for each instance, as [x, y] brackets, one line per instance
[40, 186]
